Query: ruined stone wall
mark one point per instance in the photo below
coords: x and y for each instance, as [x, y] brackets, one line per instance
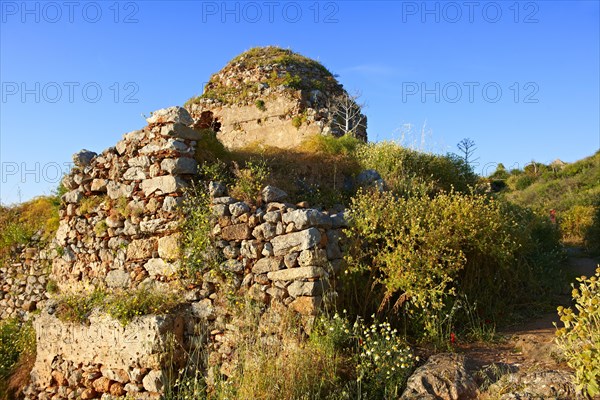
[244, 125]
[279, 255]
[23, 281]
[103, 358]
[119, 226]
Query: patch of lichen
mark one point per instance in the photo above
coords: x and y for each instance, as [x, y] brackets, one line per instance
[276, 68]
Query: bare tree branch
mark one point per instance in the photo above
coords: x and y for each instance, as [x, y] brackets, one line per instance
[346, 113]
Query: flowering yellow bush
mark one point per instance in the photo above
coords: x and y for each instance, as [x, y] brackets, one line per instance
[417, 254]
[580, 338]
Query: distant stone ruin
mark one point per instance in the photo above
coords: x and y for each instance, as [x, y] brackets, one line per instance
[275, 97]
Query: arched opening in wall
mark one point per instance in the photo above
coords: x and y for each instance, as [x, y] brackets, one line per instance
[207, 120]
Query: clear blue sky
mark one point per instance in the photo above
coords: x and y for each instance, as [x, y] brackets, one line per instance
[435, 63]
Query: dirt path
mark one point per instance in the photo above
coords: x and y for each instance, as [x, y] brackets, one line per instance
[530, 346]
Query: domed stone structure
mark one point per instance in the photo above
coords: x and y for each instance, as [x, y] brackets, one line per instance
[273, 96]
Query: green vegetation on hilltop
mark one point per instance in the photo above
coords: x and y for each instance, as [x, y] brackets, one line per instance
[270, 55]
[571, 190]
[19, 223]
[274, 67]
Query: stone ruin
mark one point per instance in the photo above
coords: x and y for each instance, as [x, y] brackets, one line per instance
[23, 280]
[271, 96]
[119, 230]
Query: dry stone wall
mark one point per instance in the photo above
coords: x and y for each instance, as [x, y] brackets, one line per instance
[279, 255]
[280, 251]
[23, 281]
[119, 226]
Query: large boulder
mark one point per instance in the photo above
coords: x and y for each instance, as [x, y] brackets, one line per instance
[443, 377]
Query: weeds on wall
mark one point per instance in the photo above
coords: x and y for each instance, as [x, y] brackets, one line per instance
[250, 180]
[123, 306]
[198, 250]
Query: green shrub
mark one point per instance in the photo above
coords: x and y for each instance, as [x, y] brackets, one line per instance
[575, 223]
[292, 81]
[417, 254]
[297, 121]
[199, 252]
[16, 339]
[17, 356]
[123, 208]
[100, 228]
[379, 361]
[328, 144]
[260, 104]
[580, 337]
[408, 171]
[592, 235]
[19, 223]
[250, 180]
[520, 182]
[90, 204]
[78, 307]
[217, 171]
[51, 286]
[125, 306]
[209, 148]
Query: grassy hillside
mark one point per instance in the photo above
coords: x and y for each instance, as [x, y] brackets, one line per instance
[571, 190]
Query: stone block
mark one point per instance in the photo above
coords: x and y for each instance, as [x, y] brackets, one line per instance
[164, 184]
[236, 232]
[291, 274]
[307, 305]
[296, 241]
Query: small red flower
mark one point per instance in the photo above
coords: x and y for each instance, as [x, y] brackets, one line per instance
[452, 338]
